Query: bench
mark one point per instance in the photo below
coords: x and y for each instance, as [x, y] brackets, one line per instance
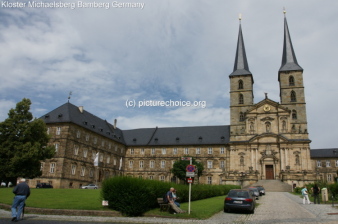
[163, 206]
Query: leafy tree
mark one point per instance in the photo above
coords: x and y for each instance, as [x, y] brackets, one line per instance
[23, 144]
[179, 168]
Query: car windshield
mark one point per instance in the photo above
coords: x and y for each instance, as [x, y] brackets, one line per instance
[238, 194]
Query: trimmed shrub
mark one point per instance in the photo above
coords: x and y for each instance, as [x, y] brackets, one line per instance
[134, 196]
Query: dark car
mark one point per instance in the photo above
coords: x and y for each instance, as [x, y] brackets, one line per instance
[44, 185]
[239, 199]
[261, 190]
[254, 192]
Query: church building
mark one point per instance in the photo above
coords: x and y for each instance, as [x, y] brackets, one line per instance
[265, 140]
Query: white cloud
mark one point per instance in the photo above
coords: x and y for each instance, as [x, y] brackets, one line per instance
[178, 50]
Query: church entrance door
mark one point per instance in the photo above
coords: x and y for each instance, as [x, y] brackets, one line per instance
[269, 172]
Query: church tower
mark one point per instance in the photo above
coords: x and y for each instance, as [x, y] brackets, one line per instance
[290, 77]
[241, 90]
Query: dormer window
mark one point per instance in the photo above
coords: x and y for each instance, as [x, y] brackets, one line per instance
[60, 115]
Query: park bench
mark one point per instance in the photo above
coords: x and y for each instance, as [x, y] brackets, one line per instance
[163, 206]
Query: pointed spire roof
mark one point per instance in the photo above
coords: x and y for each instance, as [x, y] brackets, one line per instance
[289, 60]
[241, 66]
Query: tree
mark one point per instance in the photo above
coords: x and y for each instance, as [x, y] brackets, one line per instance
[23, 144]
[179, 168]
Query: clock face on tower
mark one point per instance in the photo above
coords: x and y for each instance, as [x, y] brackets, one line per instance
[266, 108]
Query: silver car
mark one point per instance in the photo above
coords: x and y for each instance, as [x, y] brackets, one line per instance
[90, 186]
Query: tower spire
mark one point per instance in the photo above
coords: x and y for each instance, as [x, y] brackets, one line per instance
[289, 60]
[241, 66]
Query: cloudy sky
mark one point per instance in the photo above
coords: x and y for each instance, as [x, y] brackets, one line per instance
[179, 50]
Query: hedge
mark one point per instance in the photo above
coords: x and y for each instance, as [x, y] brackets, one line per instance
[134, 196]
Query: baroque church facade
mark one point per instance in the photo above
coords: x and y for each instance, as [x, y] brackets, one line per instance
[265, 140]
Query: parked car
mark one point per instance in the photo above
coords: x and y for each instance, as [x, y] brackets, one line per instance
[254, 191]
[261, 190]
[44, 185]
[239, 199]
[90, 186]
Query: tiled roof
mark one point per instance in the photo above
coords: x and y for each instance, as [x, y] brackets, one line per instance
[71, 113]
[200, 135]
[324, 153]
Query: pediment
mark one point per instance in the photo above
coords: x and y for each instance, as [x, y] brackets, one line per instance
[267, 106]
[268, 138]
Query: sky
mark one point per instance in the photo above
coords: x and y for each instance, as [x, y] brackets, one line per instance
[117, 61]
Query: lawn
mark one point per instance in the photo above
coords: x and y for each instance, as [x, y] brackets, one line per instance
[85, 199]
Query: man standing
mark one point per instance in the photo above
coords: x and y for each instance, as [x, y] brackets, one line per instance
[316, 191]
[21, 192]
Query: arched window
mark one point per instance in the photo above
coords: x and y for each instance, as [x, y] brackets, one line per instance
[240, 99]
[293, 96]
[294, 114]
[241, 116]
[240, 84]
[291, 81]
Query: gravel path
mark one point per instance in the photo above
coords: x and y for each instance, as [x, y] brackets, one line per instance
[274, 208]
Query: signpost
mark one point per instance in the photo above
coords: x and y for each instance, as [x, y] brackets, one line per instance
[190, 173]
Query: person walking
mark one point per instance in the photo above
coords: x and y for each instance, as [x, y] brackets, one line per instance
[22, 192]
[315, 190]
[305, 195]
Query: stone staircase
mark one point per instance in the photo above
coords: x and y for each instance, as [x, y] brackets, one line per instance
[273, 186]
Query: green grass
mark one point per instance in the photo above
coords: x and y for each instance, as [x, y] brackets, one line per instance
[83, 199]
[201, 209]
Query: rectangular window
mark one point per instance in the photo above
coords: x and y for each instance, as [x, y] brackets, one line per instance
[87, 138]
[142, 151]
[209, 151]
[162, 164]
[209, 164]
[52, 168]
[209, 180]
[151, 177]
[186, 151]
[131, 164]
[153, 151]
[91, 173]
[95, 140]
[329, 178]
[56, 145]
[132, 151]
[319, 163]
[336, 163]
[222, 150]
[73, 169]
[58, 130]
[78, 134]
[115, 161]
[83, 170]
[109, 146]
[328, 164]
[108, 159]
[198, 151]
[47, 131]
[141, 164]
[162, 178]
[222, 164]
[102, 143]
[172, 163]
[42, 165]
[152, 164]
[175, 151]
[164, 151]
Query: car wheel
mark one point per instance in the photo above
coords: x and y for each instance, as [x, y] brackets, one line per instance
[252, 211]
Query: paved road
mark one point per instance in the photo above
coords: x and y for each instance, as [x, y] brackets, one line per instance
[274, 208]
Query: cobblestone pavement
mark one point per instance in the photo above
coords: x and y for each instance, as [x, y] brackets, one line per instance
[274, 208]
